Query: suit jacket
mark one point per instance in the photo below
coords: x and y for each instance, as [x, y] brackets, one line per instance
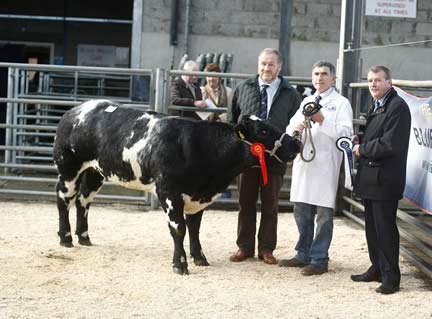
[381, 170]
[246, 101]
[181, 95]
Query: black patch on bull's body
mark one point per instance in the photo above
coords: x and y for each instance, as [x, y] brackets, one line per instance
[185, 159]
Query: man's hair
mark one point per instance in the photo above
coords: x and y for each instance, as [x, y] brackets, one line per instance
[323, 63]
[272, 51]
[189, 65]
[378, 68]
[212, 67]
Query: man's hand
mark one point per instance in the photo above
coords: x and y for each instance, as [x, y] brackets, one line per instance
[200, 103]
[318, 117]
[299, 128]
[355, 139]
[356, 150]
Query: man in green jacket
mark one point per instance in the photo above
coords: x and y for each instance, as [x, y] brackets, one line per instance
[268, 96]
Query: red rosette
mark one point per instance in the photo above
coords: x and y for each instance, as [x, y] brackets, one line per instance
[258, 150]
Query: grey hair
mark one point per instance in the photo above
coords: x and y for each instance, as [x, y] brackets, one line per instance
[323, 63]
[272, 51]
[189, 65]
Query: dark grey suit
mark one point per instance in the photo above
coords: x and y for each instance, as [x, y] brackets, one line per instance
[380, 182]
[181, 95]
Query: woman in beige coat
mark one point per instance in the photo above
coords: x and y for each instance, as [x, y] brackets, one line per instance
[216, 93]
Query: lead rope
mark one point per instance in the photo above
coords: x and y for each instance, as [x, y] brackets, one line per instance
[309, 109]
[308, 133]
[272, 153]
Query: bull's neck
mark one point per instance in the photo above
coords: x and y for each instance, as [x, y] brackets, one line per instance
[249, 159]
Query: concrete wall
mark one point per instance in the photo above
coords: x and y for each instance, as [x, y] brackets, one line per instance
[244, 27]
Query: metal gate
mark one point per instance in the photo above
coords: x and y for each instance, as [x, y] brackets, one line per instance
[37, 96]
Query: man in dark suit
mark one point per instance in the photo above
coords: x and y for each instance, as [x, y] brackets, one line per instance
[270, 97]
[382, 156]
[185, 91]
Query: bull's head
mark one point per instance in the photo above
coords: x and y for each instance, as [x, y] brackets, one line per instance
[254, 130]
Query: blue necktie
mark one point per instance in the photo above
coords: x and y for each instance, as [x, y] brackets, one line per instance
[263, 102]
[377, 105]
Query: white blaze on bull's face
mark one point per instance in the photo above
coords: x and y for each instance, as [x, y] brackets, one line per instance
[130, 155]
[84, 109]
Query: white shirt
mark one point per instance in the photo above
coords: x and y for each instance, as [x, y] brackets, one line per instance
[271, 91]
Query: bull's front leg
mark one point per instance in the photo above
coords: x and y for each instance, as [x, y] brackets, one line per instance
[193, 223]
[173, 208]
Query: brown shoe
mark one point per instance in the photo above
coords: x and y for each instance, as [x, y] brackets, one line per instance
[314, 269]
[293, 262]
[240, 255]
[268, 258]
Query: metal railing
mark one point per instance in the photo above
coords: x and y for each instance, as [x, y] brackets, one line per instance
[32, 115]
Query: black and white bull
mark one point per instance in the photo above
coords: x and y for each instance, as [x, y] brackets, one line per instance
[186, 163]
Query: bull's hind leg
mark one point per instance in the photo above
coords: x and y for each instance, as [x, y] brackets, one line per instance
[193, 223]
[91, 183]
[66, 192]
[173, 208]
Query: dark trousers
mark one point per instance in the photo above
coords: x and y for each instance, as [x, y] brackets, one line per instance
[382, 237]
[250, 186]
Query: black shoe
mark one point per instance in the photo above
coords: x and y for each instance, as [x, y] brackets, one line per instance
[387, 290]
[293, 262]
[314, 269]
[366, 277]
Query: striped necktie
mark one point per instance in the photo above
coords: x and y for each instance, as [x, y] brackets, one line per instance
[377, 105]
[263, 102]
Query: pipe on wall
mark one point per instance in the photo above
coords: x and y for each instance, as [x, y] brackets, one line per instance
[173, 30]
[187, 26]
[174, 22]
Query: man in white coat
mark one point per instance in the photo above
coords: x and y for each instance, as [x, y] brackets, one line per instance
[314, 183]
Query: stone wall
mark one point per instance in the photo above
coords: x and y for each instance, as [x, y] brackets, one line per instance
[244, 27]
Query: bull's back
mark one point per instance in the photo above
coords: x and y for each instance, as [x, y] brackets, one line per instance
[97, 130]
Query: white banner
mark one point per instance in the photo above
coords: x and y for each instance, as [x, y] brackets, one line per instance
[418, 188]
[392, 8]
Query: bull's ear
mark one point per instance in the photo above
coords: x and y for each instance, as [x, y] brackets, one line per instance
[240, 135]
[240, 129]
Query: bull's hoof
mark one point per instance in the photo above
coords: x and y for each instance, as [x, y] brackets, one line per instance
[201, 262]
[182, 270]
[67, 244]
[84, 241]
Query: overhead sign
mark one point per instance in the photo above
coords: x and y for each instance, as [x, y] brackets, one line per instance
[102, 55]
[392, 8]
